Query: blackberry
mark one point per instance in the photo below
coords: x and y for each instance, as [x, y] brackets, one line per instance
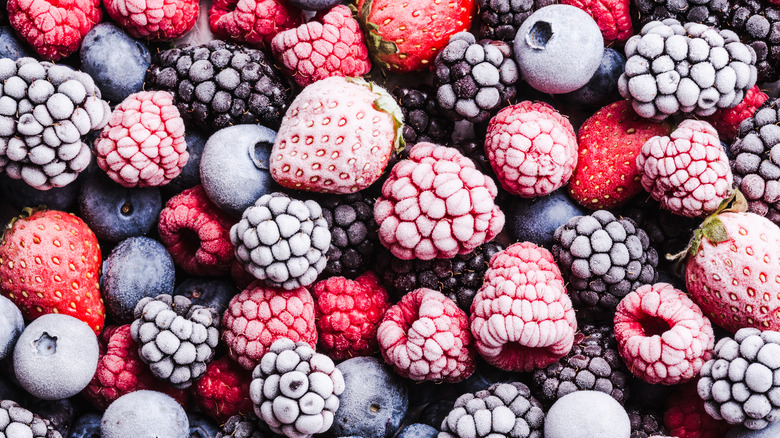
[710, 12]
[45, 112]
[16, 421]
[353, 234]
[502, 18]
[459, 278]
[473, 79]
[241, 426]
[424, 120]
[220, 84]
[737, 384]
[603, 258]
[646, 423]
[593, 363]
[475, 151]
[756, 160]
[685, 68]
[758, 25]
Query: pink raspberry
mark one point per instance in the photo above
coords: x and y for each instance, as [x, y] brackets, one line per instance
[688, 172]
[54, 28]
[331, 46]
[727, 120]
[521, 318]
[143, 144]
[348, 314]
[436, 204]
[662, 335]
[254, 22]
[532, 149]
[426, 337]
[261, 314]
[223, 391]
[154, 19]
[197, 233]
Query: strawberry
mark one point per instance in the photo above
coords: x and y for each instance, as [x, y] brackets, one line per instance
[337, 136]
[50, 263]
[404, 36]
[609, 142]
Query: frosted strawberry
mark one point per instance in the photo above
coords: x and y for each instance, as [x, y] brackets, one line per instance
[337, 136]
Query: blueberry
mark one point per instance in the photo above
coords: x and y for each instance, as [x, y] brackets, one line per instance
[56, 356]
[201, 426]
[436, 412]
[374, 401]
[417, 430]
[587, 414]
[315, 5]
[602, 88]
[116, 62]
[8, 389]
[137, 267]
[145, 414]
[535, 220]
[86, 426]
[11, 46]
[234, 166]
[115, 212]
[206, 291]
[190, 174]
[11, 326]
[21, 195]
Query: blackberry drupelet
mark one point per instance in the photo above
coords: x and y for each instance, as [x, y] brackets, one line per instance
[502, 18]
[424, 120]
[353, 234]
[758, 24]
[710, 12]
[16, 421]
[220, 84]
[593, 363]
[603, 258]
[646, 423]
[241, 426]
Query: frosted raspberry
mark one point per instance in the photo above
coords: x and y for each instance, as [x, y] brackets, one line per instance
[348, 314]
[532, 148]
[522, 319]
[143, 144]
[154, 19]
[120, 371]
[261, 314]
[330, 46]
[224, 390]
[426, 337]
[54, 28]
[612, 16]
[436, 204]
[727, 120]
[662, 335]
[685, 416]
[254, 22]
[196, 233]
[688, 172]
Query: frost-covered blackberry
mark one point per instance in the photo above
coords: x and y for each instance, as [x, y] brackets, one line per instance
[16, 421]
[175, 338]
[685, 68]
[741, 383]
[603, 258]
[474, 79]
[45, 111]
[709, 12]
[282, 240]
[502, 18]
[353, 231]
[241, 426]
[758, 24]
[295, 390]
[504, 409]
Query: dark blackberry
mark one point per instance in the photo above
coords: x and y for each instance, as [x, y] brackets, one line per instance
[241, 426]
[710, 12]
[220, 84]
[424, 120]
[593, 363]
[645, 423]
[758, 24]
[475, 151]
[16, 421]
[459, 278]
[473, 79]
[502, 18]
[353, 234]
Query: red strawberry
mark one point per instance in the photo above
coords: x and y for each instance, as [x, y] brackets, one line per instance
[405, 36]
[609, 142]
[50, 263]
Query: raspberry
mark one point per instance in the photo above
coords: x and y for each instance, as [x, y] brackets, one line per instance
[54, 28]
[727, 121]
[522, 318]
[154, 19]
[120, 371]
[197, 233]
[254, 22]
[261, 314]
[330, 46]
[224, 390]
[348, 314]
[612, 16]
[662, 335]
[532, 148]
[143, 144]
[687, 172]
[425, 337]
[436, 204]
[685, 416]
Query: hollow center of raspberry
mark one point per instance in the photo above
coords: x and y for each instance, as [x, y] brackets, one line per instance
[653, 325]
[190, 241]
[540, 35]
[46, 344]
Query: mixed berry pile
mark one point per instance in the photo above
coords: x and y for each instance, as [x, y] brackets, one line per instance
[390, 219]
